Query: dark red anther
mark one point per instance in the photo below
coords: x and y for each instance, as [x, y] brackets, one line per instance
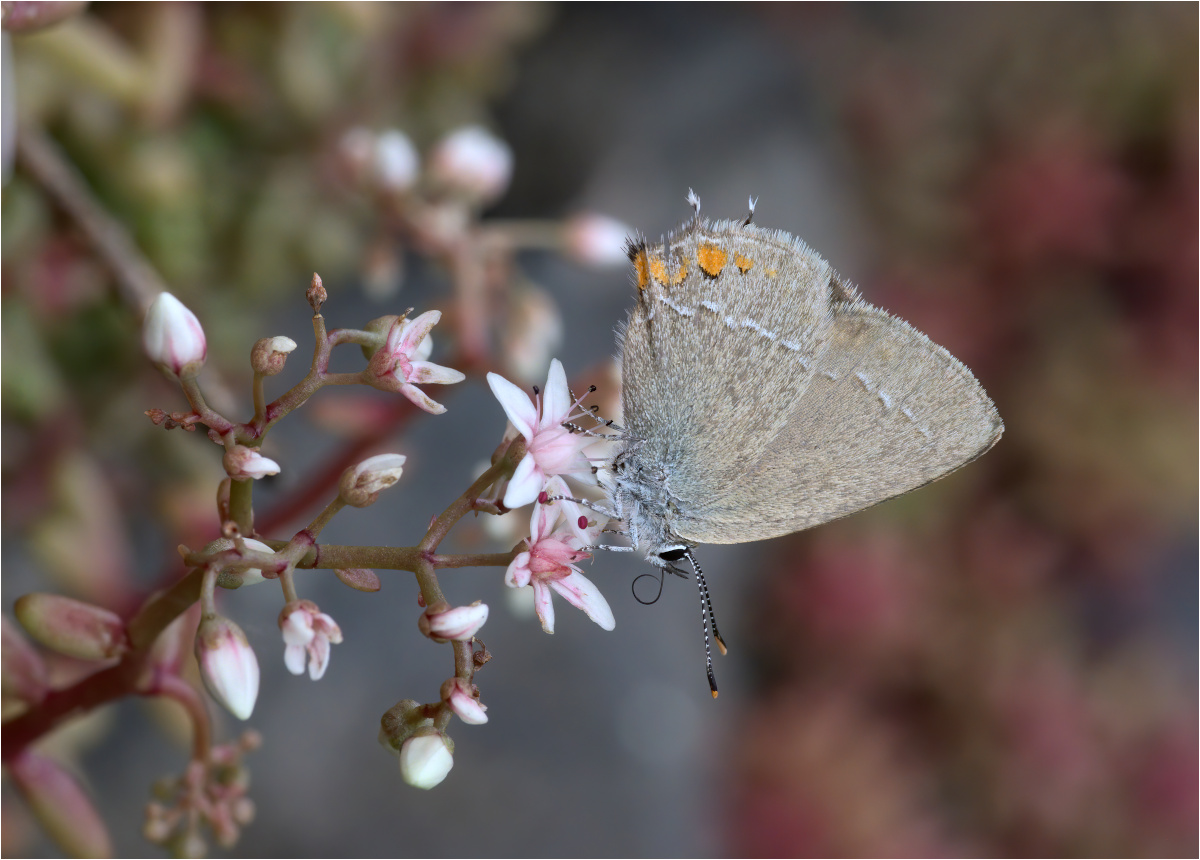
[582, 521]
[543, 497]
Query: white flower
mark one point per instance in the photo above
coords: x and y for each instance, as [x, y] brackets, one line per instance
[549, 563]
[551, 449]
[173, 337]
[463, 699]
[425, 760]
[395, 367]
[598, 240]
[459, 622]
[242, 464]
[473, 162]
[227, 665]
[307, 635]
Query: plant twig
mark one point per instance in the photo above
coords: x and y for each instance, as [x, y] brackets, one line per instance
[137, 281]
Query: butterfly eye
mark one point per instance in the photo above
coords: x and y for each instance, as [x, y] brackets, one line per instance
[672, 554]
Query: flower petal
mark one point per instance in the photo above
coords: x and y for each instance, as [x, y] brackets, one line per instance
[318, 657]
[413, 334]
[580, 591]
[556, 399]
[328, 628]
[518, 574]
[421, 399]
[293, 658]
[427, 372]
[543, 605]
[516, 404]
[525, 485]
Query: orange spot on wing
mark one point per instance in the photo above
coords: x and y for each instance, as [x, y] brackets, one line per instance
[743, 262]
[642, 269]
[658, 271]
[711, 259]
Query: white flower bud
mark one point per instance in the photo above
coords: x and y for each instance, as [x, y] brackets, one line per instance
[460, 622]
[227, 665]
[173, 337]
[473, 162]
[597, 240]
[242, 464]
[228, 577]
[397, 164]
[270, 354]
[425, 759]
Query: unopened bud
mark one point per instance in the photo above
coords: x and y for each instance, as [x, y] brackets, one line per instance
[243, 464]
[230, 577]
[227, 665]
[399, 722]
[472, 162]
[463, 699]
[72, 627]
[156, 828]
[270, 354]
[460, 622]
[173, 337]
[397, 164]
[361, 484]
[597, 240]
[316, 294]
[426, 759]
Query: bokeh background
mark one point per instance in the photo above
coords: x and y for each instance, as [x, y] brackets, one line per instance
[1003, 663]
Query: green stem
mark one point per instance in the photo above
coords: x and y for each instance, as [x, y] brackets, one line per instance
[260, 401]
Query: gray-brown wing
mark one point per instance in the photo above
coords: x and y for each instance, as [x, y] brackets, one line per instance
[882, 410]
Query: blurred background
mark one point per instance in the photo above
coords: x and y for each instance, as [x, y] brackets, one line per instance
[1003, 663]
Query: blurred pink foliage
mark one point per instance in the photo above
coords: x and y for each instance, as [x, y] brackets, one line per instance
[938, 685]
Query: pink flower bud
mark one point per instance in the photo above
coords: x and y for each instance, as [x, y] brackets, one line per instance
[597, 240]
[397, 164]
[60, 805]
[242, 464]
[463, 699]
[362, 483]
[472, 162]
[173, 338]
[227, 665]
[72, 627]
[270, 354]
[460, 622]
[425, 759]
